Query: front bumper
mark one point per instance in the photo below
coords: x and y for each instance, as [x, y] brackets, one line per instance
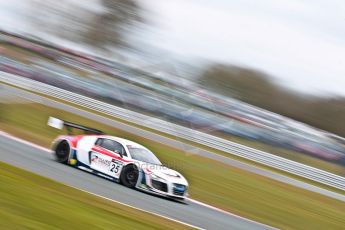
[162, 187]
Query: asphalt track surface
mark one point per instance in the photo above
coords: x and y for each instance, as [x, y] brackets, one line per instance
[41, 162]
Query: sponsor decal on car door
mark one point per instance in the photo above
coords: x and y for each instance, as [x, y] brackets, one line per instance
[106, 162]
[100, 162]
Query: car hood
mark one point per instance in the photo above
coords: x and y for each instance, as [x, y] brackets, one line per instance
[164, 173]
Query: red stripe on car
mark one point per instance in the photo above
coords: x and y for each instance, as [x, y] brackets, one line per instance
[74, 140]
[108, 153]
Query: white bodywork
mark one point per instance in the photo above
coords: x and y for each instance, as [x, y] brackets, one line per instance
[154, 178]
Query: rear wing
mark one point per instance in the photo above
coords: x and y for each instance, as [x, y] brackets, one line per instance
[60, 124]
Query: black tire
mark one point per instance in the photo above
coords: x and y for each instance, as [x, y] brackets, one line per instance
[62, 151]
[129, 176]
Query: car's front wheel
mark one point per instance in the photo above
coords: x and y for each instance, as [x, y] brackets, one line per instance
[129, 176]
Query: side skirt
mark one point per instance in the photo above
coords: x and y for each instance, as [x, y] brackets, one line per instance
[87, 168]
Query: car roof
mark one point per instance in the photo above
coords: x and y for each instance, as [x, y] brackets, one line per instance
[123, 141]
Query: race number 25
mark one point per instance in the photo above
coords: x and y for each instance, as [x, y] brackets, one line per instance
[114, 167]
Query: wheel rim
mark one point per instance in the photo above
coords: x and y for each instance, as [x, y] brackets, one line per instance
[62, 152]
[132, 176]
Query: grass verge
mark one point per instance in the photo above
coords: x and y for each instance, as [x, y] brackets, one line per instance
[247, 194]
[29, 201]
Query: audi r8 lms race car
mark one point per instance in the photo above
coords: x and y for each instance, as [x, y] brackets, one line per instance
[117, 159]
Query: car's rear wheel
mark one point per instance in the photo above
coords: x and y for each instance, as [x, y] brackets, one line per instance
[62, 152]
[129, 176]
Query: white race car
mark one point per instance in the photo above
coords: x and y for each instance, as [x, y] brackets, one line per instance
[117, 159]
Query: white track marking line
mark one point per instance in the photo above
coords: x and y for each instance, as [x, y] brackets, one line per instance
[4, 134]
[139, 209]
[191, 200]
[229, 213]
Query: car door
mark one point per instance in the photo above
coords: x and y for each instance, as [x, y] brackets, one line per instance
[108, 157]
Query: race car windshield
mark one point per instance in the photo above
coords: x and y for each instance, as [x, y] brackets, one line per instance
[143, 155]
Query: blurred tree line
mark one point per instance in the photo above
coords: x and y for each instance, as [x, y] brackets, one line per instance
[259, 89]
[99, 23]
